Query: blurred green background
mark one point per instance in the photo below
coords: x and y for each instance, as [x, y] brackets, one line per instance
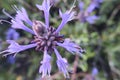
[101, 41]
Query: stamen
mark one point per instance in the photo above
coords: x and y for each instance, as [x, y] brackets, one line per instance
[5, 21]
[15, 8]
[72, 6]
[7, 14]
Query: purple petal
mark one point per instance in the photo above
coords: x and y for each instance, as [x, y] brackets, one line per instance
[17, 22]
[71, 47]
[94, 71]
[45, 7]
[45, 68]
[11, 34]
[92, 19]
[16, 48]
[81, 5]
[11, 60]
[62, 63]
[91, 7]
[22, 15]
[67, 16]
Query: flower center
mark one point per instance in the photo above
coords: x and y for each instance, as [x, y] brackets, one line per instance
[46, 38]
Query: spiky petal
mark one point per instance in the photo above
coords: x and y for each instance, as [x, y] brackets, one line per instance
[67, 16]
[45, 7]
[15, 48]
[17, 22]
[22, 15]
[71, 47]
[45, 68]
[61, 63]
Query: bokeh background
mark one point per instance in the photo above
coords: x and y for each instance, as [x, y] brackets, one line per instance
[101, 40]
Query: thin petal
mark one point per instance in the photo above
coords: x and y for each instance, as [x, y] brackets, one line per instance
[91, 7]
[45, 7]
[45, 68]
[22, 15]
[94, 71]
[92, 19]
[62, 63]
[71, 47]
[67, 16]
[81, 5]
[16, 48]
[17, 22]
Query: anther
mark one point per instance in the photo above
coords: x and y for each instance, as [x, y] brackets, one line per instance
[48, 43]
[43, 43]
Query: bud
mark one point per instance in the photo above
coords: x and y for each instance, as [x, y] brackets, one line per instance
[39, 28]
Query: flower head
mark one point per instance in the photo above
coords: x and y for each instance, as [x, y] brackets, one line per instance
[85, 14]
[46, 38]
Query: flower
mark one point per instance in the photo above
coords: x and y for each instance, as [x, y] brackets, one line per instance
[11, 34]
[94, 71]
[85, 14]
[46, 39]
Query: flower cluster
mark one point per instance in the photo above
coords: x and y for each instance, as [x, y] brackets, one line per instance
[85, 15]
[46, 38]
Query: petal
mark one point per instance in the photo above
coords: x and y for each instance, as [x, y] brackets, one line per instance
[16, 48]
[71, 47]
[45, 7]
[67, 16]
[22, 15]
[62, 63]
[45, 68]
[92, 19]
[81, 5]
[17, 22]
[91, 7]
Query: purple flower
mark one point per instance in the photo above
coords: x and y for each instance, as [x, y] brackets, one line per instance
[94, 71]
[81, 5]
[11, 60]
[11, 34]
[46, 39]
[92, 19]
[85, 15]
